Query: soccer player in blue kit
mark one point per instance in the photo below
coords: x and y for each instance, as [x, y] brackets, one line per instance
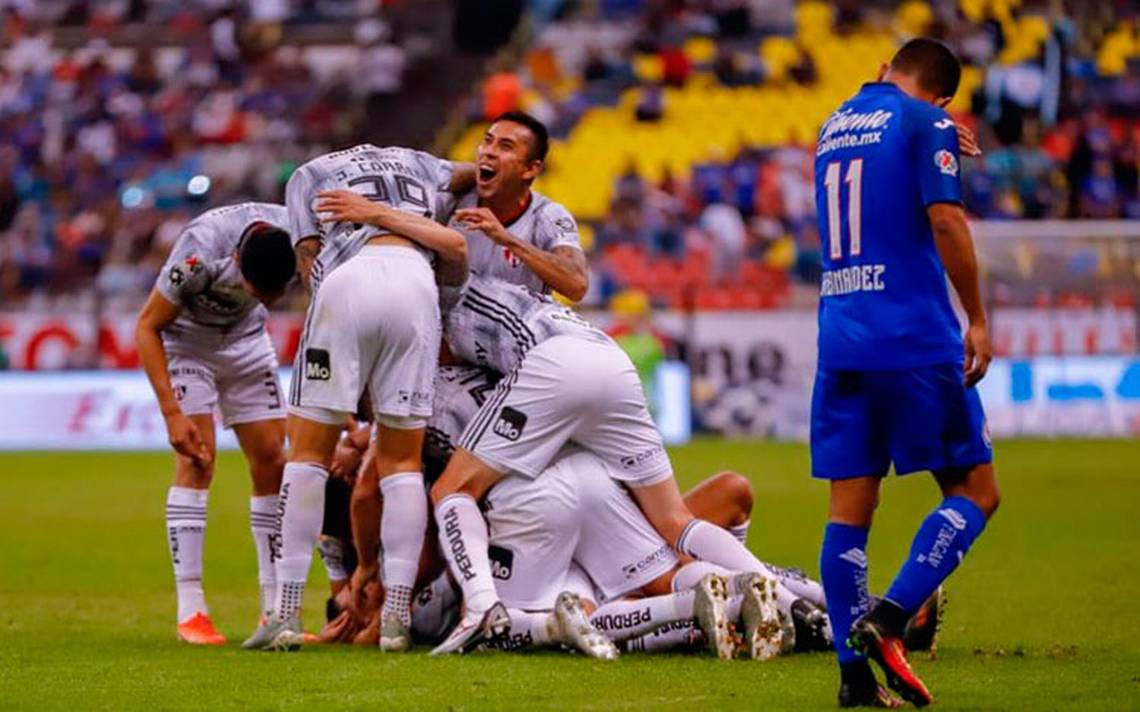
[892, 384]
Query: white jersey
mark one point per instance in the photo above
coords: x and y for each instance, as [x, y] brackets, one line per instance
[459, 393]
[544, 224]
[408, 180]
[202, 277]
[493, 324]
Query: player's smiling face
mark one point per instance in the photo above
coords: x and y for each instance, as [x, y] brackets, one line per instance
[503, 160]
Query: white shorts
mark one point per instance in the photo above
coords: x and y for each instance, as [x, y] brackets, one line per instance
[574, 511]
[239, 380]
[618, 548]
[373, 326]
[570, 389]
[534, 525]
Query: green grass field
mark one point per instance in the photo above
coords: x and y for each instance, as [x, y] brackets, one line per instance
[1041, 615]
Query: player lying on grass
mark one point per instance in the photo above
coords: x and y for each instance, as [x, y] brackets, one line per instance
[202, 342]
[896, 379]
[372, 327]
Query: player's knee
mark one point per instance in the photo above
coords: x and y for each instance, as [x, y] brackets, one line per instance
[987, 497]
[738, 493]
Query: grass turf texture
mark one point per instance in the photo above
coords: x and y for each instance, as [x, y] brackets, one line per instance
[1041, 615]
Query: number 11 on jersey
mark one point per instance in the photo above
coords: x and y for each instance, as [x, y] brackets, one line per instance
[854, 180]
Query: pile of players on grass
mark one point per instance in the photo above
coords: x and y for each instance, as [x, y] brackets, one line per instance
[475, 462]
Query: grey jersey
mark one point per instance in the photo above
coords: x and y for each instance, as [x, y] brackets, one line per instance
[544, 224]
[409, 180]
[459, 393]
[492, 323]
[203, 278]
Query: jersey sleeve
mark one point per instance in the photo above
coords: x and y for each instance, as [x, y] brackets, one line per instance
[438, 172]
[935, 142]
[184, 273]
[303, 219]
[556, 227]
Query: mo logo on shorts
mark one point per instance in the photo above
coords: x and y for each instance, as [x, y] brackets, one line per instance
[502, 562]
[510, 423]
[317, 366]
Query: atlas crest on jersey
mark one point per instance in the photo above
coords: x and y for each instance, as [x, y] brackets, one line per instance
[946, 162]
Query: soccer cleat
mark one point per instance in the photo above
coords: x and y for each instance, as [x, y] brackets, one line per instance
[200, 630]
[921, 631]
[472, 632]
[887, 650]
[576, 631]
[876, 696]
[277, 636]
[763, 629]
[395, 637]
[709, 610]
[813, 629]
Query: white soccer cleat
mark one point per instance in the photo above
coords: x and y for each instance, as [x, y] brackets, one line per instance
[277, 636]
[763, 627]
[576, 631]
[474, 630]
[395, 637]
[709, 610]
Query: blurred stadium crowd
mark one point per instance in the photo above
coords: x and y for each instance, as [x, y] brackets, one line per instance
[684, 129]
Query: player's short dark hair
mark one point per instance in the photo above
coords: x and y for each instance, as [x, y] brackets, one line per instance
[541, 143]
[267, 259]
[932, 63]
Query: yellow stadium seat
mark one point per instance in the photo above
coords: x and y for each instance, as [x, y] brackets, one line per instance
[648, 67]
[700, 50]
[913, 17]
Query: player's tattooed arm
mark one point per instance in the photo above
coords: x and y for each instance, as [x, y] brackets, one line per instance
[563, 267]
[307, 251]
[956, 249]
[157, 314]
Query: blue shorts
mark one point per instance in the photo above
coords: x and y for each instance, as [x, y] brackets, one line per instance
[920, 419]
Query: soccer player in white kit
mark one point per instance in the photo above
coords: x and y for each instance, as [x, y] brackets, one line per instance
[566, 382]
[515, 233]
[372, 327]
[202, 342]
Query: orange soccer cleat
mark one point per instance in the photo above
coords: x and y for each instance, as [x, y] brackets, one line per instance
[200, 630]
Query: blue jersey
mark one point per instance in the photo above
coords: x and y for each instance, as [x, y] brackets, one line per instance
[882, 158]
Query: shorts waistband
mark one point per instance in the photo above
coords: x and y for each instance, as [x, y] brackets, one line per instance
[393, 251]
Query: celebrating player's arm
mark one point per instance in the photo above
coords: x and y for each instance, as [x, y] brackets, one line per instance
[348, 206]
[562, 267]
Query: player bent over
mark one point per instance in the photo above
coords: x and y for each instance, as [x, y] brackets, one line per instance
[892, 384]
[202, 342]
[372, 327]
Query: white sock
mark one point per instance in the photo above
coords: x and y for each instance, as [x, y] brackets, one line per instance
[263, 525]
[621, 620]
[463, 538]
[302, 506]
[402, 528]
[689, 575]
[708, 542]
[800, 585]
[684, 634]
[740, 531]
[732, 607]
[186, 529]
[528, 630]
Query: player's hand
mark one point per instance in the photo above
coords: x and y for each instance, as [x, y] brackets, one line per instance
[483, 220]
[186, 440]
[347, 206]
[346, 460]
[967, 141]
[362, 578]
[979, 353]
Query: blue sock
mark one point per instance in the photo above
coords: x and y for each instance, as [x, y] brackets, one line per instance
[941, 542]
[843, 567]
